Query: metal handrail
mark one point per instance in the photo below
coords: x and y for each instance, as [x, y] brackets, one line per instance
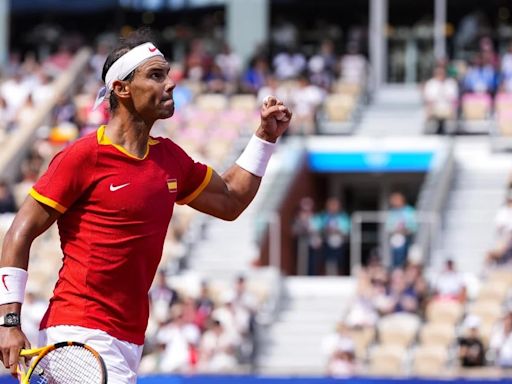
[380, 217]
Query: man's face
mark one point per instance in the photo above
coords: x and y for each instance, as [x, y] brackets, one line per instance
[151, 90]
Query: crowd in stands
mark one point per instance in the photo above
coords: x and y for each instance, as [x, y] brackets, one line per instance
[404, 322]
[209, 331]
[462, 93]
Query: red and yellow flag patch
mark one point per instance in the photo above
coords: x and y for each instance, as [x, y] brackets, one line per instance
[172, 184]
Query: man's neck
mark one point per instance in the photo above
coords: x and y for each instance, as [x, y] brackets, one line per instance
[130, 133]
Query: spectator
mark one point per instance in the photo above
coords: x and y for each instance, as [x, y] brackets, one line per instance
[399, 298]
[178, 338]
[217, 351]
[230, 63]
[471, 348]
[289, 64]
[322, 66]
[162, 298]
[440, 95]
[335, 230]
[480, 78]
[502, 251]
[7, 202]
[450, 284]
[353, 65]
[255, 76]
[204, 305]
[306, 229]
[305, 101]
[273, 87]
[342, 362]
[401, 226]
[500, 344]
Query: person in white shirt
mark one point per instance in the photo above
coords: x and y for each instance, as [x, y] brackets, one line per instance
[450, 284]
[502, 251]
[440, 95]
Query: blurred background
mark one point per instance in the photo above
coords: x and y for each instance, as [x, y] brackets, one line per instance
[379, 245]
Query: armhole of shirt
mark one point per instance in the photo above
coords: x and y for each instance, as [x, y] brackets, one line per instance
[198, 190]
[47, 201]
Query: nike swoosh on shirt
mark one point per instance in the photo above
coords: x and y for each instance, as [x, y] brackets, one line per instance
[3, 281]
[114, 188]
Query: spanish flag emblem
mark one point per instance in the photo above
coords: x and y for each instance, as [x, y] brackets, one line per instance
[172, 184]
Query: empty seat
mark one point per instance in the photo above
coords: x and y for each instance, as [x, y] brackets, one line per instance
[212, 102]
[398, 329]
[437, 334]
[247, 103]
[476, 106]
[493, 291]
[488, 312]
[387, 360]
[430, 360]
[339, 107]
[444, 311]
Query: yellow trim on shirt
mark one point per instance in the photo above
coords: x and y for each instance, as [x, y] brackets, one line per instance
[104, 140]
[47, 201]
[193, 195]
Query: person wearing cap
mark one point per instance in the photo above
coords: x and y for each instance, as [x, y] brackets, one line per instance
[471, 347]
[112, 194]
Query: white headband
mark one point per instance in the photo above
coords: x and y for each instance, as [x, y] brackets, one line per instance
[125, 65]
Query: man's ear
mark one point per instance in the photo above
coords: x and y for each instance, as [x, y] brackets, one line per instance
[121, 89]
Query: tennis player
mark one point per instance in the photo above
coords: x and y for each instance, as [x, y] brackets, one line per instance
[112, 194]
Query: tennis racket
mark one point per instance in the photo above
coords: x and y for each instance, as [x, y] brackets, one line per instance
[67, 362]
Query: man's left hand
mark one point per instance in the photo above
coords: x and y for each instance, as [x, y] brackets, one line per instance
[275, 119]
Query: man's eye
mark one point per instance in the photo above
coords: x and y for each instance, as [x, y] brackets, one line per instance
[156, 75]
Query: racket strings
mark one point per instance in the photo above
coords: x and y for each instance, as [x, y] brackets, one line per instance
[68, 365]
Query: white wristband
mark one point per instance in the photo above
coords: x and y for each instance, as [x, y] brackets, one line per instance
[12, 285]
[256, 156]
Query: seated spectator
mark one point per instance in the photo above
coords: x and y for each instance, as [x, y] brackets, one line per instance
[178, 338]
[204, 305]
[343, 362]
[401, 225]
[353, 65]
[162, 298]
[502, 251]
[289, 64]
[449, 284]
[480, 78]
[399, 298]
[217, 350]
[322, 66]
[305, 101]
[255, 76]
[500, 344]
[440, 94]
[306, 230]
[335, 231]
[273, 87]
[416, 284]
[7, 202]
[471, 348]
[230, 63]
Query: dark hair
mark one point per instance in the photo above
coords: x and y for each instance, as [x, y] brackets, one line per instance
[134, 39]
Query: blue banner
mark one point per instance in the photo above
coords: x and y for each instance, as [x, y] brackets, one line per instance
[209, 379]
[371, 161]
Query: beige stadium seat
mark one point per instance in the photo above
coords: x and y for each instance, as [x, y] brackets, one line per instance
[441, 311]
[501, 275]
[488, 312]
[362, 338]
[476, 106]
[387, 360]
[437, 334]
[398, 329]
[246, 103]
[493, 291]
[430, 361]
[339, 107]
[212, 102]
[347, 88]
